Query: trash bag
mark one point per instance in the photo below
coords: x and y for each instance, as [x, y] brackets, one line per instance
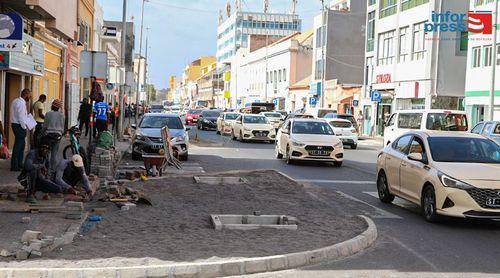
[105, 140]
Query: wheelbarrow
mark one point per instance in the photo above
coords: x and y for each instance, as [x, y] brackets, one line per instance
[154, 164]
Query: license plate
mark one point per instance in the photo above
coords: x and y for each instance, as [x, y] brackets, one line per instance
[319, 153]
[493, 202]
[260, 134]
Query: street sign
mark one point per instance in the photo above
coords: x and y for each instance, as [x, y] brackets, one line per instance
[355, 103]
[313, 101]
[376, 96]
[276, 101]
[93, 63]
[110, 86]
[11, 32]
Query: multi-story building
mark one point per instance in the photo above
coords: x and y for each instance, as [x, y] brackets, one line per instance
[338, 56]
[480, 64]
[192, 72]
[210, 85]
[287, 61]
[410, 62]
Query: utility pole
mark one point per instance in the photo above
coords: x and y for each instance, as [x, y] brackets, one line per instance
[494, 63]
[146, 62]
[266, 8]
[122, 65]
[323, 52]
[139, 65]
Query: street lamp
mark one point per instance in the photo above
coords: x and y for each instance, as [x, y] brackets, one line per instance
[139, 63]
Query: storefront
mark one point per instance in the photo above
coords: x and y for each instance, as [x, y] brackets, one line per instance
[17, 70]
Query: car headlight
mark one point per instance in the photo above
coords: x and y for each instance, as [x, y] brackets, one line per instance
[298, 144]
[453, 183]
[206, 121]
[140, 138]
[338, 145]
[178, 138]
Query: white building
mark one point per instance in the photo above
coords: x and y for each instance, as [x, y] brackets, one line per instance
[404, 60]
[287, 61]
[479, 72]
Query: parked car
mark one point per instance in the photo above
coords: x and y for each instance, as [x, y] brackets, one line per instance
[446, 173]
[225, 122]
[345, 131]
[283, 113]
[297, 116]
[147, 138]
[319, 113]
[208, 119]
[348, 117]
[253, 127]
[409, 120]
[175, 109]
[192, 116]
[157, 108]
[275, 118]
[309, 139]
[489, 129]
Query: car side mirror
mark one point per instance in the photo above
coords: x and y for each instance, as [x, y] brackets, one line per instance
[133, 126]
[416, 157]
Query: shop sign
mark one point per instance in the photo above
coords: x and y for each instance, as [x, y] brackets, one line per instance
[31, 60]
[11, 32]
[227, 94]
[384, 78]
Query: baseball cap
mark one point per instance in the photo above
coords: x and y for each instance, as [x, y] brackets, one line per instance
[56, 103]
[77, 161]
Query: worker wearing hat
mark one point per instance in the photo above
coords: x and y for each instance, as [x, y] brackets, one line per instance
[53, 129]
[71, 172]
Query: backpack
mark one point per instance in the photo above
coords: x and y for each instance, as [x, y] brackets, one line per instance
[105, 140]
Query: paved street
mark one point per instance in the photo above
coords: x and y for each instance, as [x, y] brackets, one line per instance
[406, 243]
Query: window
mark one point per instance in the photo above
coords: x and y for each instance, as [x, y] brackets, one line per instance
[371, 2]
[487, 55]
[284, 74]
[403, 44]
[388, 7]
[464, 150]
[418, 41]
[370, 37]
[320, 37]
[487, 129]
[477, 129]
[498, 55]
[408, 4]
[402, 144]
[447, 122]
[279, 75]
[464, 41]
[410, 120]
[392, 120]
[386, 48]
[417, 146]
[275, 76]
[318, 73]
[476, 57]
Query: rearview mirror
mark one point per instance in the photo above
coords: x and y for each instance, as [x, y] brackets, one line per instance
[416, 157]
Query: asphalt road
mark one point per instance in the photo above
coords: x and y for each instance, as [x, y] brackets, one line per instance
[406, 246]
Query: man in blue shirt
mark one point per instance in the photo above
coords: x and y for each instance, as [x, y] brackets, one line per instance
[101, 109]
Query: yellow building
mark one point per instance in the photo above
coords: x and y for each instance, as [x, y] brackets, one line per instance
[86, 11]
[191, 74]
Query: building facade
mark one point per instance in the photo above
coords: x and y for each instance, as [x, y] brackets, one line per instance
[404, 60]
[480, 64]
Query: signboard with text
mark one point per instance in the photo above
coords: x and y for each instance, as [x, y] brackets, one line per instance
[11, 32]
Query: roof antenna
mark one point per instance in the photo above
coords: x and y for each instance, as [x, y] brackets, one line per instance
[294, 6]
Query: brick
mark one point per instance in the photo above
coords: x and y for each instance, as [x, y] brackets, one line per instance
[188, 271]
[29, 235]
[296, 260]
[210, 271]
[22, 254]
[35, 245]
[133, 272]
[277, 263]
[159, 271]
[229, 269]
[255, 266]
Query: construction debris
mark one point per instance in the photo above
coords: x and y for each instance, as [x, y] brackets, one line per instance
[29, 235]
[121, 194]
[74, 210]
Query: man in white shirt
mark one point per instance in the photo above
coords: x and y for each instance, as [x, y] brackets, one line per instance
[18, 121]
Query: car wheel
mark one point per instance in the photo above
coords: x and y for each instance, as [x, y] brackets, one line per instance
[241, 138]
[278, 154]
[288, 156]
[429, 204]
[337, 164]
[233, 136]
[183, 157]
[354, 146]
[383, 189]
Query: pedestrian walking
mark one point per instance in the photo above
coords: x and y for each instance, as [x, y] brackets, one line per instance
[101, 109]
[360, 119]
[53, 129]
[19, 124]
[84, 115]
[39, 115]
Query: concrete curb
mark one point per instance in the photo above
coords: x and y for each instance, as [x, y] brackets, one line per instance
[212, 269]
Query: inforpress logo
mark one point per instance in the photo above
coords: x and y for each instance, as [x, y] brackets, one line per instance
[481, 22]
[474, 22]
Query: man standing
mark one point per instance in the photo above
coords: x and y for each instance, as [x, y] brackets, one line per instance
[19, 120]
[52, 131]
[361, 121]
[39, 115]
[84, 116]
[102, 109]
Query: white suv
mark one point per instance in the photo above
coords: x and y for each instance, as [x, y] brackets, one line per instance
[253, 127]
[309, 139]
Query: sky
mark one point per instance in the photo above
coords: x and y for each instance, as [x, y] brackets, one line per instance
[180, 31]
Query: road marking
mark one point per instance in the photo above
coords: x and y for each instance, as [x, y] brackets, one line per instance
[336, 181]
[379, 213]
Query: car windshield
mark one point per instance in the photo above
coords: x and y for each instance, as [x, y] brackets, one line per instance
[159, 122]
[231, 116]
[195, 111]
[465, 150]
[255, 120]
[272, 115]
[341, 124]
[210, 114]
[323, 112]
[447, 121]
[320, 128]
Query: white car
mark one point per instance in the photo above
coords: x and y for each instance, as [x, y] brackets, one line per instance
[309, 139]
[345, 131]
[253, 127]
[274, 118]
[405, 121]
[225, 122]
